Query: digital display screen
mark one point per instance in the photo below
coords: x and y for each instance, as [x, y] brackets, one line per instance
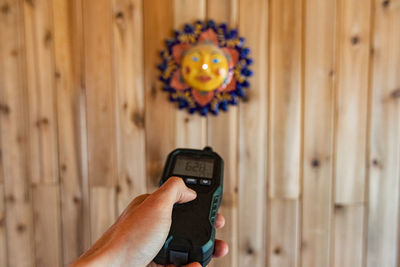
[202, 168]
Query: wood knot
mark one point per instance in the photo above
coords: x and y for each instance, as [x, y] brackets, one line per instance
[277, 250]
[76, 200]
[339, 207]
[385, 3]
[47, 38]
[153, 90]
[14, 52]
[19, 139]
[118, 189]
[395, 93]
[31, 2]
[138, 119]
[125, 106]
[21, 227]
[315, 163]
[5, 8]
[4, 109]
[355, 40]
[186, 120]
[246, 97]
[43, 121]
[250, 250]
[331, 73]
[57, 75]
[63, 167]
[10, 198]
[119, 15]
[128, 181]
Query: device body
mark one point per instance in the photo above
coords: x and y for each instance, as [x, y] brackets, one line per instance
[192, 234]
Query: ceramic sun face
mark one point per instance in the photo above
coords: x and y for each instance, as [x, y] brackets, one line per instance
[205, 67]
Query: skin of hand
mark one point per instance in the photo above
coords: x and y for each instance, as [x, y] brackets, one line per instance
[141, 230]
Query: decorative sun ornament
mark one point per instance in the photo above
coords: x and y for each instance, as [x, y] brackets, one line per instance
[205, 67]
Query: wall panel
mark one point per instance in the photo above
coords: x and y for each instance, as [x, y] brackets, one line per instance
[311, 153]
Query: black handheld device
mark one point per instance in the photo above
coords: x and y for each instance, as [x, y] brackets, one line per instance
[192, 234]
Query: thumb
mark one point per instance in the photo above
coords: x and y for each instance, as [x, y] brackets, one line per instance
[174, 191]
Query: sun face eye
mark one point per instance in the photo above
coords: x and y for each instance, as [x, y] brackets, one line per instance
[216, 60]
[195, 58]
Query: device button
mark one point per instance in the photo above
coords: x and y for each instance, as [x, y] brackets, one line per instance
[178, 258]
[191, 180]
[205, 182]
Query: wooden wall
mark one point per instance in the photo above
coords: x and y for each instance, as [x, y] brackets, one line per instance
[312, 154]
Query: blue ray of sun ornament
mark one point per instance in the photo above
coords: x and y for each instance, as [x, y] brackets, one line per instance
[205, 67]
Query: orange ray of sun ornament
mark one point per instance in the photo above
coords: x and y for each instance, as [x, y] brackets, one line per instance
[205, 67]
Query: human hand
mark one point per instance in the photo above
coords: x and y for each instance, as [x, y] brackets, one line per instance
[141, 230]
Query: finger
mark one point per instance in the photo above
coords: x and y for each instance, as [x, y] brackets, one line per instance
[220, 222]
[175, 191]
[193, 264]
[220, 249]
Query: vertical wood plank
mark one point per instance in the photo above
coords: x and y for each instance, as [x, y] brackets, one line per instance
[99, 92]
[353, 53]
[100, 113]
[318, 132]
[191, 130]
[47, 225]
[68, 74]
[40, 63]
[160, 115]
[284, 237]
[103, 216]
[223, 137]
[3, 237]
[128, 66]
[348, 232]
[253, 19]
[40, 60]
[285, 114]
[384, 158]
[14, 136]
[352, 95]
[285, 98]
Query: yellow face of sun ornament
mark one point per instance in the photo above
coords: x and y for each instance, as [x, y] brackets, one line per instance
[204, 67]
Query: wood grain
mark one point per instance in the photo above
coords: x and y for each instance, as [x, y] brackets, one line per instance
[47, 225]
[252, 134]
[319, 75]
[68, 50]
[285, 98]
[222, 136]
[102, 214]
[384, 145]
[191, 131]
[354, 19]
[160, 117]
[284, 138]
[128, 66]
[99, 88]
[14, 136]
[311, 156]
[348, 236]
[284, 240]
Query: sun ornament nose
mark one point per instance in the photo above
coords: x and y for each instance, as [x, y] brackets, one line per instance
[204, 66]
